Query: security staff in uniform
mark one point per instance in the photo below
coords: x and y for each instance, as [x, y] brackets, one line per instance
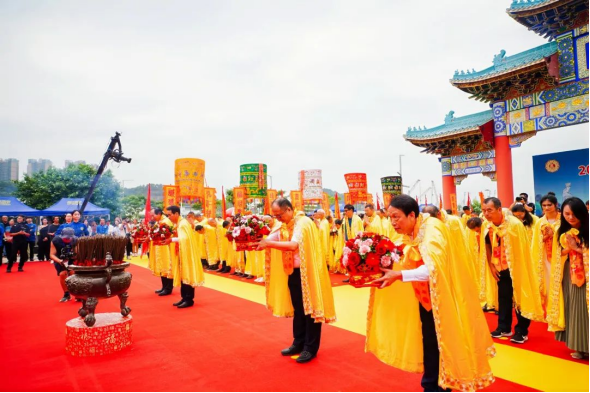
[20, 234]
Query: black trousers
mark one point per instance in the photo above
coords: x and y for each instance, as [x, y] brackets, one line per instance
[430, 350]
[167, 283]
[16, 247]
[129, 246]
[31, 246]
[306, 333]
[43, 250]
[505, 294]
[187, 293]
[8, 250]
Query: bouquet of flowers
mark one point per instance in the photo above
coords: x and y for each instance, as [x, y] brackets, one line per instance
[159, 233]
[140, 234]
[247, 231]
[364, 255]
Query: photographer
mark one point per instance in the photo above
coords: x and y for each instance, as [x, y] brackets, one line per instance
[62, 255]
[523, 199]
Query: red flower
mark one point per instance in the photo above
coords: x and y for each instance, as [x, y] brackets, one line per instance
[265, 230]
[381, 248]
[388, 244]
[354, 259]
[373, 260]
[350, 243]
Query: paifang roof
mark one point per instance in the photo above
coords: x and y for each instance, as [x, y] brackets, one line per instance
[520, 5]
[504, 64]
[452, 126]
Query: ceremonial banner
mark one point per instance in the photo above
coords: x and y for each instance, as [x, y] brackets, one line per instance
[386, 200]
[481, 198]
[310, 183]
[454, 204]
[189, 176]
[326, 204]
[271, 195]
[369, 198]
[253, 179]
[391, 185]
[171, 195]
[440, 202]
[210, 203]
[239, 200]
[336, 207]
[223, 205]
[297, 200]
[347, 199]
[357, 186]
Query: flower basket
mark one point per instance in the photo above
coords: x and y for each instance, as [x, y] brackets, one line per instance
[247, 246]
[141, 234]
[247, 232]
[161, 233]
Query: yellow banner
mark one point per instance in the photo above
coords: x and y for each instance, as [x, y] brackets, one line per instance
[326, 204]
[297, 200]
[210, 203]
[189, 176]
[239, 200]
[454, 204]
[171, 195]
[347, 199]
[271, 195]
[386, 199]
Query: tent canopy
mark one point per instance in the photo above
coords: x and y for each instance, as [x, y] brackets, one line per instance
[67, 205]
[10, 206]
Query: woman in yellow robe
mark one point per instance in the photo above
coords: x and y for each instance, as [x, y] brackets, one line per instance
[486, 284]
[462, 335]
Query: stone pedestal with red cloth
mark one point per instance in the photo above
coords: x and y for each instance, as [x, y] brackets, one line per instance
[111, 333]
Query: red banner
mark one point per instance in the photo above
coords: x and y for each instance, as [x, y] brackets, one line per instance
[297, 200]
[239, 200]
[210, 203]
[454, 204]
[171, 195]
[357, 186]
[271, 195]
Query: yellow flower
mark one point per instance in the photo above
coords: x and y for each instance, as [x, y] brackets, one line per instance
[563, 238]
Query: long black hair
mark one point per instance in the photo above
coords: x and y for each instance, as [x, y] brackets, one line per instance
[579, 209]
[528, 219]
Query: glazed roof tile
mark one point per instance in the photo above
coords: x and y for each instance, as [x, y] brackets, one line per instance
[452, 126]
[521, 5]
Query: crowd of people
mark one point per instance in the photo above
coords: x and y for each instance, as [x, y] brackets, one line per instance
[452, 269]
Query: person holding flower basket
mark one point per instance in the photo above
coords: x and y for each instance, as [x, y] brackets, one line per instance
[567, 307]
[309, 283]
[161, 252]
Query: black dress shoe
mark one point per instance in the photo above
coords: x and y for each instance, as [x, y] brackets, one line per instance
[178, 303]
[159, 290]
[305, 357]
[347, 280]
[249, 277]
[165, 293]
[20, 269]
[234, 273]
[292, 350]
[227, 269]
[64, 299]
[185, 305]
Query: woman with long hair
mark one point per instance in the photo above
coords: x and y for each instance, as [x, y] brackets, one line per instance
[528, 220]
[44, 242]
[544, 242]
[567, 309]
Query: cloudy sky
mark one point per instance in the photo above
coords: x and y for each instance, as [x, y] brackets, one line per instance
[293, 84]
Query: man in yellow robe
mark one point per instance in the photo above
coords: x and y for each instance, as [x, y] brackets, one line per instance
[448, 306]
[351, 226]
[202, 221]
[309, 282]
[372, 222]
[212, 244]
[186, 266]
[509, 260]
[324, 230]
[225, 247]
[466, 215]
[278, 297]
[160, 262]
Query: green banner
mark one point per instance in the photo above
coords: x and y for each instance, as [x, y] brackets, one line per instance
[250, 179]
[391, 185]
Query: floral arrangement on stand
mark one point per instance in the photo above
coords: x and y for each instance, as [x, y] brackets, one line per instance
[160, 233]
[366, 254]
[140, 234]
[247, 231]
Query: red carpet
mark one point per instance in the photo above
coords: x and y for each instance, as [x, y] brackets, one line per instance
[224, 343]
[336, 279]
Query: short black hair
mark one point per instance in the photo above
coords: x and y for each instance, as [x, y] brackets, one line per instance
[283, 203]
[525, 195]
[528, 219]
[173, 209]
[338, 222]
[549, 197]
[348, 206]
[157, 210]
[465, 208]
[225, 224]
[449, 211]
[370, 206]
[497, 203]
[199, 227]
[474, 222]
[405, 203]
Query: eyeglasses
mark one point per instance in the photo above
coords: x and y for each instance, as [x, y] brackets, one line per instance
[280, 214]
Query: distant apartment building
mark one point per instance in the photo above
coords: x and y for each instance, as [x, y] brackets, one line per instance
[40, 165]
[70, 162]
[8, 169]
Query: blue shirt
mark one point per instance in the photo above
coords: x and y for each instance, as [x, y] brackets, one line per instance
[1, 236]
[79, 229]
[102, 229]
[32, 231]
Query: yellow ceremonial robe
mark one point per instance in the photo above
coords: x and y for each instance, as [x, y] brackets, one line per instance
[278, 297]
[318, 299]
[457, 232]
[338, 248]
[541, 261]
[462, 332]
[211, 244]
[160, 262]
[375, 225]
[224, 244]
[350, 230]
[324, 231]
[187, 265]
[527, 298]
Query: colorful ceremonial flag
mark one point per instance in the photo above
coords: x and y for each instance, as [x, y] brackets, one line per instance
[336, 207]
[171, 195]
[454, 204]
[148, 206]
[326, 204]
[310, 183]
[239, 200]
[387, 199]
[440, 202]
[347, 199]
[271, 195]
[189, 176]
[223, 205]
[369, 198]
[297, 200]
[378, 205]
[481, 198]
[425, 200]
[210, 204]
[357, 186]
[468, 200]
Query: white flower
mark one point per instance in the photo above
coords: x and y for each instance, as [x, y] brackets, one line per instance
[346, 251]
[368, 242]
[254, 220]
[345, 260]
[395, 256]
[236, 232]
[358, 242]
[364, 249]
[248, 230]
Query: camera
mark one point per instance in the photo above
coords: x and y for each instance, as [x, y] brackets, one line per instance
[67, 253]
[519, 199]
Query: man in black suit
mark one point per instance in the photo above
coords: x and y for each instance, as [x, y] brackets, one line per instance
[20, 234]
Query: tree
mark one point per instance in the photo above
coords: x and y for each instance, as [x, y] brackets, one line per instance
[43, 189]
[132, 206]
[7, 188]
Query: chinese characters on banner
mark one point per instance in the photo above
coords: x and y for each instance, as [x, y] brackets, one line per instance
[239, 200]
[454, 204]
[210, 204]
[271, 195]
[347, 199]
[171, 195]
[369, 198]
[386, 199]
[189, 176]
[253, 179]
[357, 186]
[326, 203]
[310, 183]
[297, 200]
